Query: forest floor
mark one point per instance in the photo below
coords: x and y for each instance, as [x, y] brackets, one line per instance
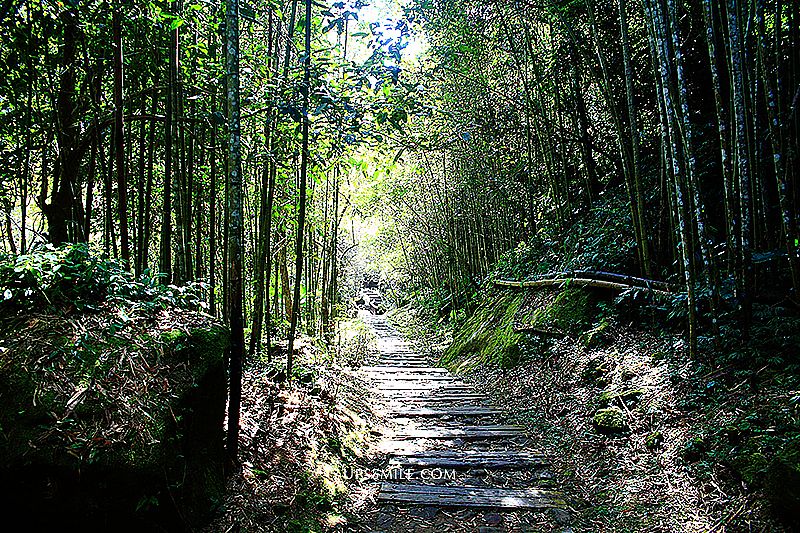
[298, 439]
[661, 476]
[301, 441]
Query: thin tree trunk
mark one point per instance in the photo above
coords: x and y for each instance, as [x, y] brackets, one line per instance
[775, 126]
[165, 257]
[692, 183]
[633, 125]
[667, 92]
[119, 139]
[235, 196]
[743, 167]
[301, 217]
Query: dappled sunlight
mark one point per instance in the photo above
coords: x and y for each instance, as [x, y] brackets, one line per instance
[400, 265]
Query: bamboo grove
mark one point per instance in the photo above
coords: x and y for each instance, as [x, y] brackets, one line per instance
[217, 142]
[118, 128]
[656, 137]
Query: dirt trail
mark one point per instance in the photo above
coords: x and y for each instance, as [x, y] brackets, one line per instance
[451, 464]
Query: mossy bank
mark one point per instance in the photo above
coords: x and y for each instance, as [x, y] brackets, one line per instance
[649, 438]
[112, 398]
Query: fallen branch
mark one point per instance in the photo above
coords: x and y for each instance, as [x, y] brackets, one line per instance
[579, 282]
[619, 278]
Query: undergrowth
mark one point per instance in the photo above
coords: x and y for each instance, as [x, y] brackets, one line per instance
[78, 277]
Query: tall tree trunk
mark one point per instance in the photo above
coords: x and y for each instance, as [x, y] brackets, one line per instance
[261, 265]
[633, 125]
[690, 165]
[212, 201]
[235, 233]
[742, 166]
[142, 199]
[119, 138]
[776, 135]
[660, 24]
[165, 255]
[722, 128]
[301, 217]
[61, 211]
[31, 72]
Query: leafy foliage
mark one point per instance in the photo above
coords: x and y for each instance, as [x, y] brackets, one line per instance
[74, 276]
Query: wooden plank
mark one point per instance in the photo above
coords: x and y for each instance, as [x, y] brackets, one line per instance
[425, 397]
[421, 385]
[413, 377]
[413, 372]
[403, 389]
[466, 432]
[445, 496]
[402, 360]
[470, 410]
[395, 362]
[390, 369]
[398, 357]
[465, 459]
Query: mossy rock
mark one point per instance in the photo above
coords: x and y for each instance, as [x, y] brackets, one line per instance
[168, 472]
[694, 450]
[654, 440]
[610, 420]
[629, 397]
[783, 482]
[488, 335]
[596, 370]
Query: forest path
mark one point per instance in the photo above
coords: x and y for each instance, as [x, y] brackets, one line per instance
[451, 464]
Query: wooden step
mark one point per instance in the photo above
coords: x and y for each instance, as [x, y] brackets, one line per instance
[445, 496]
[427, 397]
[469, 410]
[388, 369]
[409, 372]
[466, 459]
[464, 432]
[406, 364]
[400, 389]
[422, 386]
[439, 378]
